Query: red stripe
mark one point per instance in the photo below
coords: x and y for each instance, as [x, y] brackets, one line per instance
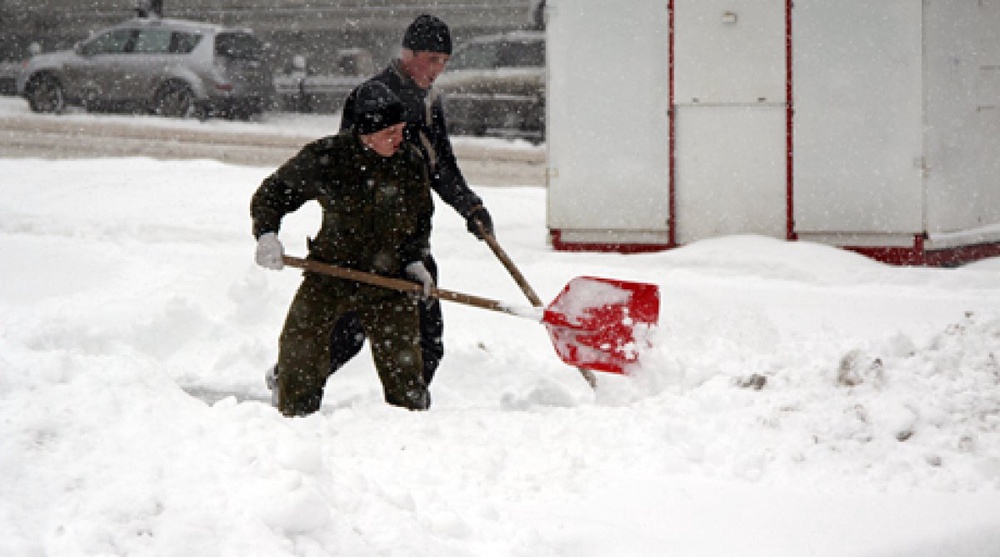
[672, 131]
[790, 129]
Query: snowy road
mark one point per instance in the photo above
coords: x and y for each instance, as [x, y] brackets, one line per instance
[264, 143]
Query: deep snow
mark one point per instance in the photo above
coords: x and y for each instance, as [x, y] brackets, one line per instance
[134, 418]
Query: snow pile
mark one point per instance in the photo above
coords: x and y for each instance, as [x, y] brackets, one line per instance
[891, 415]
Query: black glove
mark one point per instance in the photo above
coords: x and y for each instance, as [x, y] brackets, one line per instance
[481, 215]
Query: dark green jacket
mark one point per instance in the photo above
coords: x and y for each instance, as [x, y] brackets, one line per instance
[376, 210]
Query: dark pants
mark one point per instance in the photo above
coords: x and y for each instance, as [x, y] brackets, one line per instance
[389, 318]
[348, 335]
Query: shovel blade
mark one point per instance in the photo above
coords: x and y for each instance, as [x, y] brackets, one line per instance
[602, 324]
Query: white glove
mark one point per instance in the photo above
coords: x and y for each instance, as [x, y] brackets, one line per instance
[270, 251]
[418, 272]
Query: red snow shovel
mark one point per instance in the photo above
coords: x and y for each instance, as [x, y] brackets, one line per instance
[526, 288]
[595, 323]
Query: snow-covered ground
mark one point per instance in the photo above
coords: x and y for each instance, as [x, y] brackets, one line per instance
[136, 329]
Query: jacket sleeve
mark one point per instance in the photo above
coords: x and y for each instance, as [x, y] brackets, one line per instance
[284, 191]
[418, 244]
[447, 179]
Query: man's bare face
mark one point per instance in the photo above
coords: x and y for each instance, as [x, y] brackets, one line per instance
[423, 67]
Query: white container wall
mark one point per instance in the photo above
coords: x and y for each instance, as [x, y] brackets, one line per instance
[870, 124]
[729, 128]
[607, 120]
[962, 47]
[896, 123]
[858, 120]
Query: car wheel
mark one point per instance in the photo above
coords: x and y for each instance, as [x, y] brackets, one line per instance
[45, 94]
[175, 100]
[89, 100]
[244, 113]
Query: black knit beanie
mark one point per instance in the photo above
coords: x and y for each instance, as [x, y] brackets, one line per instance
[429, 34]
[375, 108]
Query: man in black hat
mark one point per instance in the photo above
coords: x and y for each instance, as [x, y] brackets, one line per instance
[375, 194]
[426, 48]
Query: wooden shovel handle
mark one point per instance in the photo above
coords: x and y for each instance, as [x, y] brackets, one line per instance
[396, 284]
[508, 263]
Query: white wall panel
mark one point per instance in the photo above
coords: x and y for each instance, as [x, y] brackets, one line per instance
[730, 51]
[730, 172]
[858, 116]
[607, 127]
[962, 84]
[730, 130]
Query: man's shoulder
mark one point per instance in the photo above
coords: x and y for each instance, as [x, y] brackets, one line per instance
[330, 144]
[388, 77]
[391, 76]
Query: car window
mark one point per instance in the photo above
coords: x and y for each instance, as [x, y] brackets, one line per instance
[238, 46]
[112, 42]
[502, 54]
[522, 55]
[183, 43]
[475, 56]
[152, 41]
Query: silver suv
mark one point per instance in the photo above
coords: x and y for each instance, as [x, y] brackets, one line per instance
[166, 66]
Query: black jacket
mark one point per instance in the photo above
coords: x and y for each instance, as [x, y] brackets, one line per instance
[425, 130]
[376, 210]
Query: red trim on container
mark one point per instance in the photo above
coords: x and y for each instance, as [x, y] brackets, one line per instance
[611, 247]
[916, 255]
[789, 129]
[672, 131]
[919, 256]
[962, 254]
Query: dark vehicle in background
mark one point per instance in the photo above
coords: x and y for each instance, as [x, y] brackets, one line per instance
[495, 86]
[300, 89]
[8, 77]
[166, 66]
